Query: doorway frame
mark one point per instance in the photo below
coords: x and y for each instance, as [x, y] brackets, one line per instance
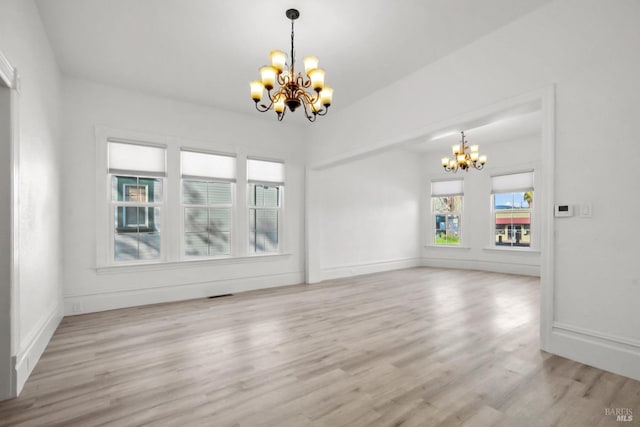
[9, 79]
[545, 96]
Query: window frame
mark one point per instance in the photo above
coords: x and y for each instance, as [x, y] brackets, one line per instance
[280, 209]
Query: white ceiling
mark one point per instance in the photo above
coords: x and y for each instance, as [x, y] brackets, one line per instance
[207, 51]
[511, 126]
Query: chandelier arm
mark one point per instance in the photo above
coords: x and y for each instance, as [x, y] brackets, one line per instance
[309, 99]
[273, 97]
[324, 111]
[311, 118]
[270, 97]
[263, 108]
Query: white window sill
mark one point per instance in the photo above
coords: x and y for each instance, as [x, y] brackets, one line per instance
[464, 248]
[188, 263]
[513, 250]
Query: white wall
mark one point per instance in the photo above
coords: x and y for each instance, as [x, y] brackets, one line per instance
[588, 49]
[368, 214]
[88, 289]
[24, 43]
[6, 367]
[476, 251]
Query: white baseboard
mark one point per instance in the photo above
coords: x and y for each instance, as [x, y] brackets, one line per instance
[496, 267]
[348, 270]
[90, 303]
[36, 343]
[611, 353]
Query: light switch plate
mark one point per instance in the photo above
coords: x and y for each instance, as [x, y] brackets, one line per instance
[586, 210]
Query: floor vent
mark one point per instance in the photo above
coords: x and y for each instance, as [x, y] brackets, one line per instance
[221, 296]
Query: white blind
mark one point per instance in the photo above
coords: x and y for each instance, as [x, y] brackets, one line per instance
[208, 166]
[447, 188]
[512, 182]
[265, 171]
[136, 159]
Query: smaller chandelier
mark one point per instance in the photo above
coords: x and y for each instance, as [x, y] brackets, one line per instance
[292, 91]
[465, 157]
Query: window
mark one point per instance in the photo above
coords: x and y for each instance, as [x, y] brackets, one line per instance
[207, 200]
[161, 202]
[265, 190]
[446, 208]
[136, 173]
[512, 207]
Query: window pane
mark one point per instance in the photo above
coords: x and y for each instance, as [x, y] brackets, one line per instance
[219, 219]
[263, 233]
[203, 193]
[266, 220]
[207, 231]
[447, 217]
[194, 192]
[136, 189]
[219, 244]
[196, 220]
[139, 241]
[197, 244]
[447, 204]
[205, 243]
[271, 197]
[447, 229]
[264, 195]
[219, 193]
[135, 193]
[513, 218]
[135, 216]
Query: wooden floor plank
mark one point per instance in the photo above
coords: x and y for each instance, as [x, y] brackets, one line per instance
[416, 347]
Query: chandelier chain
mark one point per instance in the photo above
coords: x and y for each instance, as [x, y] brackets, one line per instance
[293, 58]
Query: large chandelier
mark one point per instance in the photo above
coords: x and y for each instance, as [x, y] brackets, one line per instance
[465, 157]
[292, 91]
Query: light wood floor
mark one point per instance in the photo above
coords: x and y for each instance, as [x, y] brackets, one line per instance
[418, 347]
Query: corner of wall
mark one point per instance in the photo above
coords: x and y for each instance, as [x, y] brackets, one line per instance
[29, 355]
[604, 351]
